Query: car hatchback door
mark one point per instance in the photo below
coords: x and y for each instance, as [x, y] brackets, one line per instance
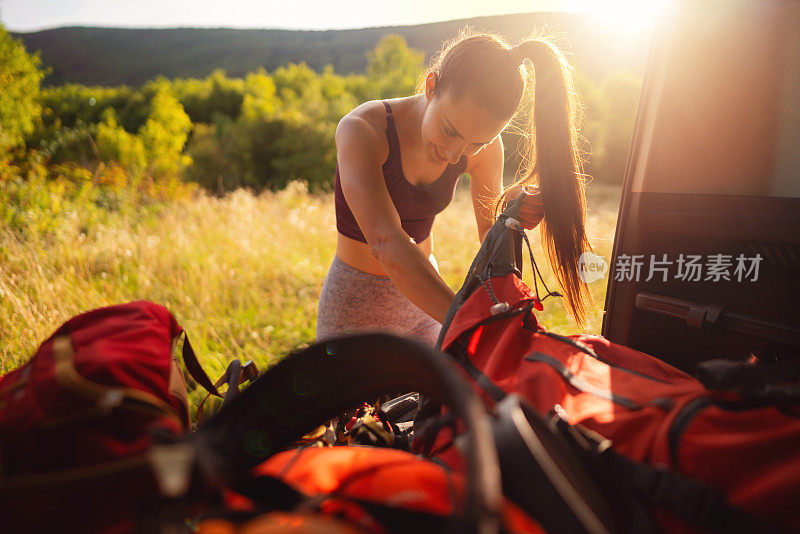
[706, 258]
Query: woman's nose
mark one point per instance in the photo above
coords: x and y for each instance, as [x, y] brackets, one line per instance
[454, 154]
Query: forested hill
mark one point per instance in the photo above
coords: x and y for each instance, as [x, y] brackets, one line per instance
[113, 56]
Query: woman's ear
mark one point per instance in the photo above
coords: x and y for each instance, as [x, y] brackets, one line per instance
[430, 85]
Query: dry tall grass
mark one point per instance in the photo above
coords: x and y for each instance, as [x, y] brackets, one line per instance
[242, 274]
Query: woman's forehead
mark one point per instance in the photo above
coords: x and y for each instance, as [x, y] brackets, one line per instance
[471, 121]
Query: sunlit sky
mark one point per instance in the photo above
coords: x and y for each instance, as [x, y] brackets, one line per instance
[31, 15]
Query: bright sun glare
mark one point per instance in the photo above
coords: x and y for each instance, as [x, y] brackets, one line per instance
[625, 15]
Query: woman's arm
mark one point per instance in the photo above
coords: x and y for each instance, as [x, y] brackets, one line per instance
[486, 183]
[358, 147]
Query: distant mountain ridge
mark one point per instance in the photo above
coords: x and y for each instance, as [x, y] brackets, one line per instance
[114, 56]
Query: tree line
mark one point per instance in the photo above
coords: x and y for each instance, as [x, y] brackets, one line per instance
[260, 131]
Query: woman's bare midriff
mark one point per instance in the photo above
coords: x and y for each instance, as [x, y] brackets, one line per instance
[357, 254]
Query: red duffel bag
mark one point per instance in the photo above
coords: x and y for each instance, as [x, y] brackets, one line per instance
[618, 392]
[740, 449]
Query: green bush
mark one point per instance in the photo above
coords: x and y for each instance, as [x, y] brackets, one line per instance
[220, 155]
[20, 77]
[74, 145]
[165, 133]
[393, 68]
[115, 144]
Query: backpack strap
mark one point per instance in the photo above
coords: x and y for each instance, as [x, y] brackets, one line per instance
[727, 374]
[236, 374]
[690, 500]
[543, 476]
[196, 371]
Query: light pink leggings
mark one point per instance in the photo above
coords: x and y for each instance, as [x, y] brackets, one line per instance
[355, 301]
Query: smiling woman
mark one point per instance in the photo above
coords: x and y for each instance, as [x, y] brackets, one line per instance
[398, 162]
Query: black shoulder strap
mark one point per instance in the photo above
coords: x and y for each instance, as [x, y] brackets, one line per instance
[195, 369]
[691, 500]
[727, 374]
[543, 476]
[632, 483]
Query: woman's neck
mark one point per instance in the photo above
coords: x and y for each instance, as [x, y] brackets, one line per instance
[408, 112]
[409, 130]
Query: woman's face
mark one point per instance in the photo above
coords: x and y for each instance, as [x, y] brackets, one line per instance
[452, 127]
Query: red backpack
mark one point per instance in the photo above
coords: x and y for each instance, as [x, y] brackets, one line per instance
[670, 431]
[87, 404]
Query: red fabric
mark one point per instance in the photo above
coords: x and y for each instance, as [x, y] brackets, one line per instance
[751, 455]
[279, 523]
[385, 476]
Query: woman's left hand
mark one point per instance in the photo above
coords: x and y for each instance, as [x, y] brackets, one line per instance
[531, 211]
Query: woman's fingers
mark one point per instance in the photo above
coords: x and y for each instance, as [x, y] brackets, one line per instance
[529, 223]
[530, 220]
[531, 211]
[534, 198]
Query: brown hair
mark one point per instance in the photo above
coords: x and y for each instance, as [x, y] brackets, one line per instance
[493, 74]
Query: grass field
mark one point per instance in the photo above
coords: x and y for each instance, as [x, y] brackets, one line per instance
[241, 273]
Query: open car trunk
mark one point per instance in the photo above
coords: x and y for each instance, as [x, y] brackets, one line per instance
[706, 259]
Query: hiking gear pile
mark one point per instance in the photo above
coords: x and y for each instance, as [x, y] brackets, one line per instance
[514, 428]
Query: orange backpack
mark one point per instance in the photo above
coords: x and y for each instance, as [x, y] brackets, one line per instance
[372, 489]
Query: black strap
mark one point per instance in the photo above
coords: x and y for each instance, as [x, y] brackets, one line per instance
[543, 476]
[232, 375]
[629, 483]
[235, 375]
[691, 500]
[486, 383]
[578, 383]
[195, 369]
[727, 374]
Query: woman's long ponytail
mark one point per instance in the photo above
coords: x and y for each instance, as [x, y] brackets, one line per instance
[552, 161]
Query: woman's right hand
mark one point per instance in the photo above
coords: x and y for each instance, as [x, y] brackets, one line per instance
[531, 210]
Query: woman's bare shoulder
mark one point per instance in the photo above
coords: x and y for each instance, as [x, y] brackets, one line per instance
[371, 114]
[365, 125]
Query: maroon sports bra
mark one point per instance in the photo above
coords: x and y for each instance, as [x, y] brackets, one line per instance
[417, 205]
